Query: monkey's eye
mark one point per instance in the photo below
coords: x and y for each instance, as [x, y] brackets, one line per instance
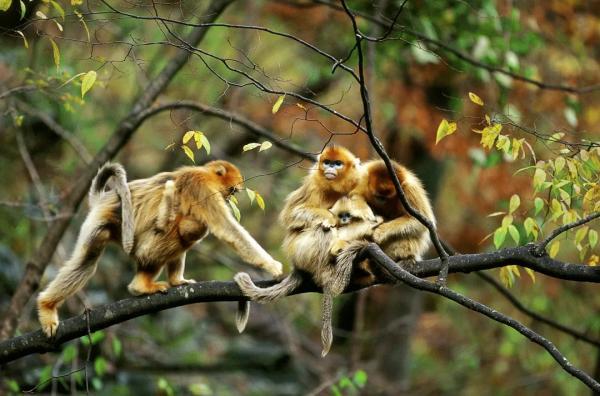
[327, 162]
[338, 164]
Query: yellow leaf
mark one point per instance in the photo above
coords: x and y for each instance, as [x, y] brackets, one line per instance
[205, 143]
[41, 15]
[187, 136]
[487, 119]
[25, 43]
[531, 274]
[76, 2]
[87, 82]
[170, 146]
[58, 8]
[58, 25]
[444, 129]
[277, 104]
[559, 164]
[5, 4]
[554, 248]
[301, 106]
[234, 199]
[515, 201]
[250, 146]
[265, 145]
[260, 201]
[55, 53]
[251, 194]
[475, 99]
[188, 151]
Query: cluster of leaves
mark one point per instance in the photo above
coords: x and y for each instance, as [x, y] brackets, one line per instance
[350, 385]
[566, 188]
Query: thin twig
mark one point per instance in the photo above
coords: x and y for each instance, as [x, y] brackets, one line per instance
[541, 247]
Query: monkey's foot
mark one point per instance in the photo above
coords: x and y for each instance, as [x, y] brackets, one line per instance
[138, 288]
[48, 316]
[182, 281]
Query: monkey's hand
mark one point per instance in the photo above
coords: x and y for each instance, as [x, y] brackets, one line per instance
[328, 222]
[337, 247]
[274, 267]
[379, 234]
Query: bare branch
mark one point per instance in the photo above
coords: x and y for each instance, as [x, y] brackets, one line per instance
[541, 247]
[379, 257]
[534, 315]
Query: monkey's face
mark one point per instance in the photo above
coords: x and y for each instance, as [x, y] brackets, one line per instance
[381, 187]
[344, 218]
[335, 161]
[228, 177]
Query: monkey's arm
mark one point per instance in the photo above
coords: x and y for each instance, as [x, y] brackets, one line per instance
[402, 227]
[224, 226]
[305, 216]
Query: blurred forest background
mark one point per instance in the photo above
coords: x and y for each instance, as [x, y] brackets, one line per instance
[388, 340]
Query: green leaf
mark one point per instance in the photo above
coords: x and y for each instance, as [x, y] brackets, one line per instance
[97, 383]
[117, 346]
[554, 249]
[23, 10]
[277, 104]
[593, 238]
[188, 151]
[475, 99]
[251, 195]
[69, 353]
[507, 220]
[360, 378]
[514, 233]
[188, 136]
[87, 82]
[260, 201]
[515, 201]
[250, 146]
[265, 146]
[530, 227]
[500, 236]
[13, 385]
[55, 53]
[539, 204]
[5, 4]
[444, 129]
[234, 199]
[100, 366]
[235, 210]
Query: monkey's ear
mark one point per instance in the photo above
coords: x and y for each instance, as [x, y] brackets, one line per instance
[220, 170]
[357, 162]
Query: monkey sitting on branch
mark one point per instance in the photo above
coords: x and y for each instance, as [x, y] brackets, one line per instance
[156, 220]
[319, 220]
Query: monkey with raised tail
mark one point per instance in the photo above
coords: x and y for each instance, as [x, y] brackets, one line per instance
[156, 220]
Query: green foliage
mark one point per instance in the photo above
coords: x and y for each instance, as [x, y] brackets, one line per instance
[350, 385]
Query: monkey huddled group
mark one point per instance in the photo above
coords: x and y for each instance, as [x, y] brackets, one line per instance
[341, 206]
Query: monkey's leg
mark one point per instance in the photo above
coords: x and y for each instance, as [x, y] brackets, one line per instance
[144, 281]
[175, 271]
[74, 274]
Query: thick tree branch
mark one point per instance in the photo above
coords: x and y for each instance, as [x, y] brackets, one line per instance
[128, 125]
[120, 311]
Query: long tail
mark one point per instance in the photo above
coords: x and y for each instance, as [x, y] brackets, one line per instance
[282, 289]
[113, 175]
[242, 315]
[326, 330]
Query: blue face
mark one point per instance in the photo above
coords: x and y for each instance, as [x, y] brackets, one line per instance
[331, 168]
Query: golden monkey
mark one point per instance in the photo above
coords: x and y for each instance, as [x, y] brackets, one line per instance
[312, 233]
[400, 236]
[156, 220]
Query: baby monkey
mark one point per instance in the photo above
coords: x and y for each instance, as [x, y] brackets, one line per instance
[354, 220]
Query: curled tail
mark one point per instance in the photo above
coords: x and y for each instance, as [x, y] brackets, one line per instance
[255, 293]
[113, 175]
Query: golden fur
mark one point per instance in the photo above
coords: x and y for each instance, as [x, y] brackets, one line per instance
[170, 212]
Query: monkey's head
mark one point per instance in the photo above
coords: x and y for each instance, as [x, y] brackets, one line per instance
[380, 187]
[338, 169]
[227, 176]
[351, 209]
